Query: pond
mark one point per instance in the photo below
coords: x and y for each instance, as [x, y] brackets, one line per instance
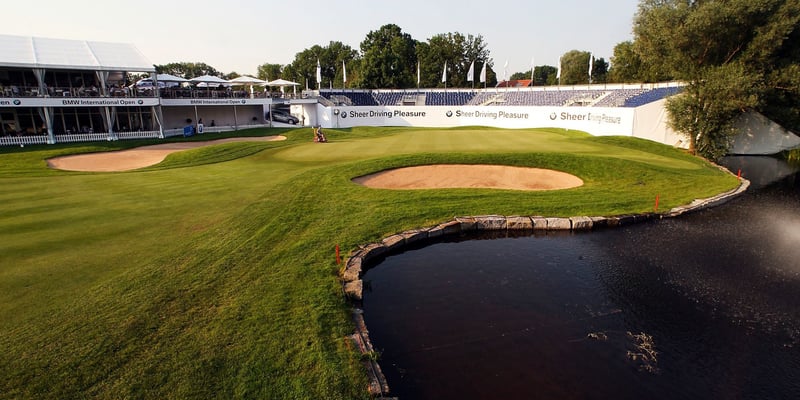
[700, 306]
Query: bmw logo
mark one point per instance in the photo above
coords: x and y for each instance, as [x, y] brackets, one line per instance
[449, 114]
[17, 102]
[140, 102]
[343, 115]
[553, 116]
[244, 101]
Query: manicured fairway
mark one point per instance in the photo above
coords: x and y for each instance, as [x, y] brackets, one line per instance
[212, 274]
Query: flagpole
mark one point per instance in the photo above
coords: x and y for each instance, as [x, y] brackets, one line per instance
[417, 75]
[444, 75]
[532, 67]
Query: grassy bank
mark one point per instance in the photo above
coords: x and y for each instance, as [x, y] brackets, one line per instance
[212, 275]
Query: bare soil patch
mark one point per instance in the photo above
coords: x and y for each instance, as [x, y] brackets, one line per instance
[140, 157]
[470, 176]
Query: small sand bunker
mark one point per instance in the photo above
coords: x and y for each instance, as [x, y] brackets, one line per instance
[470, 176]
[140, 157]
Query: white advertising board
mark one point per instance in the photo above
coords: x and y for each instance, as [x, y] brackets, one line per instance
[215, 102]
[79, 102]
[596, 121]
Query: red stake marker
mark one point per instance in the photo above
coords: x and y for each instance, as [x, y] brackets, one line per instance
[656, 207]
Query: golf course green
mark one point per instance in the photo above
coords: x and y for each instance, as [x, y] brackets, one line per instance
[213, 275]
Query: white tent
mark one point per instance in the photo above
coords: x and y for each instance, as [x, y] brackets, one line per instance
[170, 78]
[283, 83]
[47, 53]
[209, 81]
[247, 80]
[164, 80]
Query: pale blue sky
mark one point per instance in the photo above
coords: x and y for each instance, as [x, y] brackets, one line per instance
[239, 35]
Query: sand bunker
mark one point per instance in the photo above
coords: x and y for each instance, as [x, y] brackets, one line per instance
[140, 157]
[470, 176]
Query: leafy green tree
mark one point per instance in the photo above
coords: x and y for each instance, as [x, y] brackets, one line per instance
[338, 54]
[303, 69]
[575, 67]
[545, 75]
[389, 59]
[187, 70]
[735, 56]
[269, 72]
[517, 76]
[707, 111]
[625, 64]
[599, 70]
[459, 52]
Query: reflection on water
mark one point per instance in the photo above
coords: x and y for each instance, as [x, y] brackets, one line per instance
[703, 306]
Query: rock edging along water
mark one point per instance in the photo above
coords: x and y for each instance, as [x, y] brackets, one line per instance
[371, 253]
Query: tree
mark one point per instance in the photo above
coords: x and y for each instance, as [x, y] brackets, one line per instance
[625, 64]
[518, 76]
[545, 75]
[706, 111]
[338, 54]
[539, 75]
[734, 55]
[303, 69]
[575, 67]
[458, 51]
[187, 70]
[599, 70]
[269, 72]
[389, 59]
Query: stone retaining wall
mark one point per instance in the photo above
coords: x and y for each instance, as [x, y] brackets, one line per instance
[371, 253]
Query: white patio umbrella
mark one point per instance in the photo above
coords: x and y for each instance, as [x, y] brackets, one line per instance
[164, 80]
[247, 81]
[170, 78]
[208, 79]
[283, 83]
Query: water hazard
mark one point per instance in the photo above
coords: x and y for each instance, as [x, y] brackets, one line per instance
[702, 306]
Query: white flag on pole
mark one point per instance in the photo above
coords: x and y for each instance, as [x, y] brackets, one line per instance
[590, 66]
[558, 71]
[418, 74]
[483, 73]
[532, 67]
[344, 72]
[471, 73]
[319, 75]
[444, 73]
[505, 70]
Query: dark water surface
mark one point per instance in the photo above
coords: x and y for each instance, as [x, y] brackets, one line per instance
[704, 306]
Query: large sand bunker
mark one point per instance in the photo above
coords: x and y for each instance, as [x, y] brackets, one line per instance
[470, 176]
[139, 157]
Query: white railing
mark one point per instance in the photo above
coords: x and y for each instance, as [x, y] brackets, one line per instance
[82, 137]
[22, 140]
[99, 137]
[137, 135]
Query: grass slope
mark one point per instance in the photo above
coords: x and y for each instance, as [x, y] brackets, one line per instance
[211, 275]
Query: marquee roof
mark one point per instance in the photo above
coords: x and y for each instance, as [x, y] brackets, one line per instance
[37, 52]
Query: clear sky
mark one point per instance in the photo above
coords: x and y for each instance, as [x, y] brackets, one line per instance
[240, 35]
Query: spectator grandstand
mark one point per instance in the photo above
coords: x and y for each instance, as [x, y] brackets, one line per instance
[552, 96]
[651, 96]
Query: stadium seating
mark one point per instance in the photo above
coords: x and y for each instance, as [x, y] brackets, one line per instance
[586, 96]
[448, 98]
[350, 98]
[651, 96]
